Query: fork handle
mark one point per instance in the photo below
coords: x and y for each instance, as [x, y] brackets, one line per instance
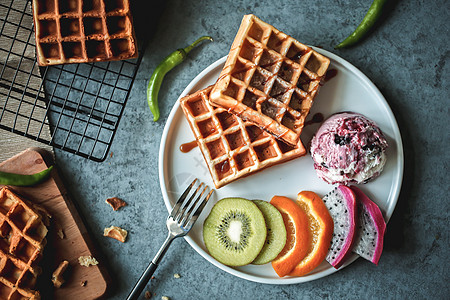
[145, 277]
[142, 282]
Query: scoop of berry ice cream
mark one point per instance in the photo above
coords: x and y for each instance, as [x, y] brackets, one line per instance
[348, 148]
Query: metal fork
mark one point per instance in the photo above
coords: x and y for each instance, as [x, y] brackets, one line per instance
[179, 222]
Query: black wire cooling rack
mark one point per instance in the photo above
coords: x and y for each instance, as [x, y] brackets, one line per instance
[81, 103]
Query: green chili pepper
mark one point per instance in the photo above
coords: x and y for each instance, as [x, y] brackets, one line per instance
[24, 180]
[171, 61]
[369, 20]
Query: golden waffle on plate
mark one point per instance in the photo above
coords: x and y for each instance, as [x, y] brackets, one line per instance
[76, 31]
[269, 79]
[22, 240]
[231, 147]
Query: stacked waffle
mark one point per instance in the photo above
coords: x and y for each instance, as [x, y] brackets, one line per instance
[270, 79]
[76, 31]
[22, 241]
[232, 147]
[253, 116]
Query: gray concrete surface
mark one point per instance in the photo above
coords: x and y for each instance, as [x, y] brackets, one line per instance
[407, 57]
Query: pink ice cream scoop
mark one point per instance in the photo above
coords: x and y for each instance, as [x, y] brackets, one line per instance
[348, 148]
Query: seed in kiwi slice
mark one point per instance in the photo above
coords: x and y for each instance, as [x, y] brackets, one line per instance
[235, 231]
[276, 233]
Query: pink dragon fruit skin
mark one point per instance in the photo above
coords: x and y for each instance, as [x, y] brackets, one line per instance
[370, 229]
[341, 204]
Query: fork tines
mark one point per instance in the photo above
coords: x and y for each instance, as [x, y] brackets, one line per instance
[193, 207]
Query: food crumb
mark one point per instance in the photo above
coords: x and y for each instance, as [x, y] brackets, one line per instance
[83, 283]
[165, 298]
[176, 275]
[87, 261]
[116, 233]
[116, 203]
[59, 230]
[60, 233]
[58, 274]
[147, 295]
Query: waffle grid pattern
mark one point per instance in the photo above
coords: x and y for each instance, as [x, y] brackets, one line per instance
[232, 148]
[270, 79]
[74, 31]
[22, 239]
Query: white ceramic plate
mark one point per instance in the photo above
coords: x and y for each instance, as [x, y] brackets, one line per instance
[349, 90]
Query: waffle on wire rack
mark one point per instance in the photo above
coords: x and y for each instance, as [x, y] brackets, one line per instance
[270, 79]
[22, 240]
[76, 31]
[231, 147]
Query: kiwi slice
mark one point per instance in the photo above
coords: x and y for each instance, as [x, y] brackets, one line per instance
[276, 233]
[235, 231]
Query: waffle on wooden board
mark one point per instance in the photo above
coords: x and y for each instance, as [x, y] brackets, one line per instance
[269, 79]
[22, 240]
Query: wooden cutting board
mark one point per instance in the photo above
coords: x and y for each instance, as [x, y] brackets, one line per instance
[52, 195]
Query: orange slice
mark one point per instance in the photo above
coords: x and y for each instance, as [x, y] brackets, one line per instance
[297, 228]
[321, 228]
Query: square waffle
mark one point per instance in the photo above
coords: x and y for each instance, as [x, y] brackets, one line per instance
[269, 79]
[76, 31]
[22, 232]
[231, 147]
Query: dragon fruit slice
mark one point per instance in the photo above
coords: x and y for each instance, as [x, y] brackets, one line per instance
[341, 203]
[370, 228]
